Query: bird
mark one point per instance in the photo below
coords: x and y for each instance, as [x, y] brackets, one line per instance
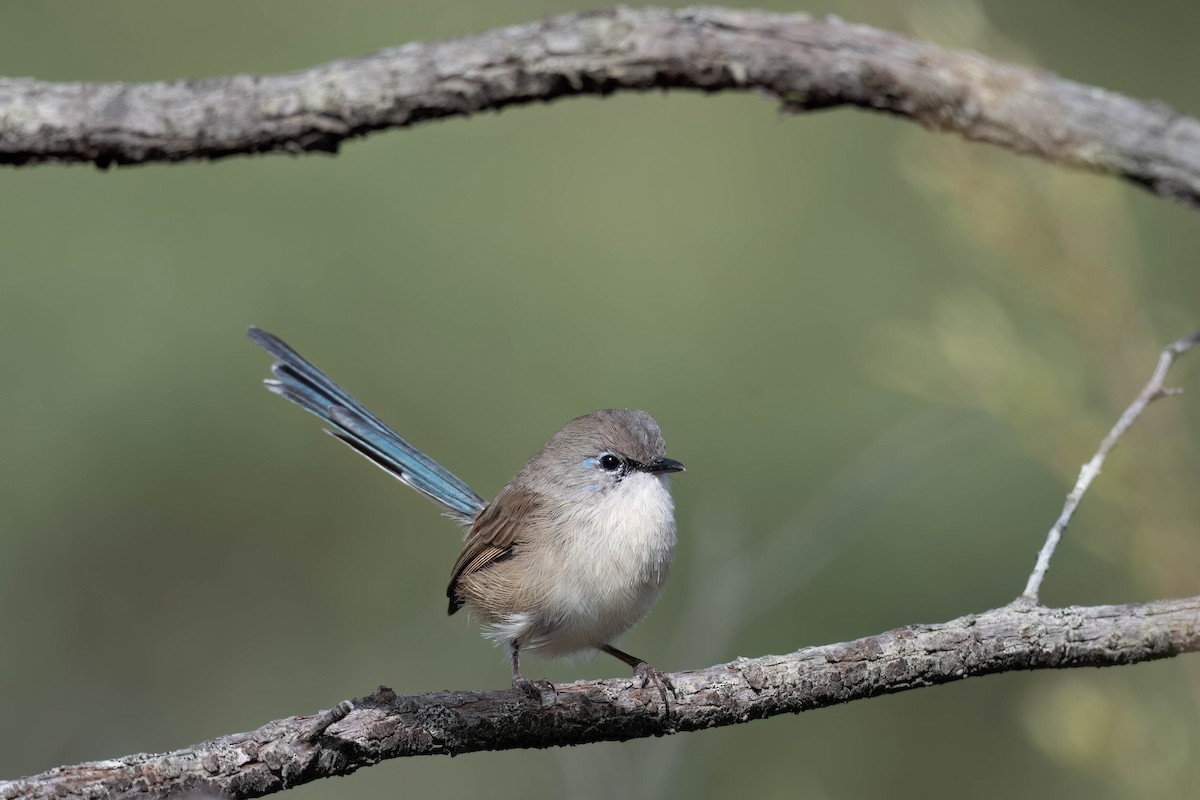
[574, 550]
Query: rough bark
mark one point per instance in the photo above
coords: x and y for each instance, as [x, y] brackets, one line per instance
[804, 63]
[296, 750]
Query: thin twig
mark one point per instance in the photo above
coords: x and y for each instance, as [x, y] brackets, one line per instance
[803, 63]
[1152, 391]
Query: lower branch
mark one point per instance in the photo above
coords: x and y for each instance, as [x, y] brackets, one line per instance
[296, 750]
[804, 63]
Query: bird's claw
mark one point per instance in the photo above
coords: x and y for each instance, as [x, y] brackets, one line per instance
[648, 673]
[537, 690]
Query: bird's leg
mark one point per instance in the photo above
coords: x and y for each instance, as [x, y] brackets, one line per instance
[647, 672]
[532, 689]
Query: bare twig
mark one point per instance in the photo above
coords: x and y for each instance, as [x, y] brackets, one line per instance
[1151, 392]
[279, 755]
[802, 62]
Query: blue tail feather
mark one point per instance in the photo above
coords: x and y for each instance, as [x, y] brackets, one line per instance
[302, 383]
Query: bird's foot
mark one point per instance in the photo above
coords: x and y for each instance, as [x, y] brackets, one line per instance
[538, 691]
[648, 673]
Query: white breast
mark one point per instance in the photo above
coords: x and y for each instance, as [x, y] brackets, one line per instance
[611, 567]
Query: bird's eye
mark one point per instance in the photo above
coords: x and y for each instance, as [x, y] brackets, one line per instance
[610, 462]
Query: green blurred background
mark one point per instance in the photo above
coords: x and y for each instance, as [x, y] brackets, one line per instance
[882, 353]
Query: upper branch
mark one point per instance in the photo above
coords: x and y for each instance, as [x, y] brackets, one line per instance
[803, 62]
[296, 750]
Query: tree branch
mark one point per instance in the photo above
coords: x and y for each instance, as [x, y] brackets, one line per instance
[1152, 391]
[296, 750]
[802, 62]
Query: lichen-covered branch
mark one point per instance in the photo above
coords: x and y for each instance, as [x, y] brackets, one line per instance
[292, 751]
[802, 62]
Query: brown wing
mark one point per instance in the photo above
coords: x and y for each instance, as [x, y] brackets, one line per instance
[492, 537]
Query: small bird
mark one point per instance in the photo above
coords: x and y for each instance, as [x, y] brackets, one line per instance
[574, 550]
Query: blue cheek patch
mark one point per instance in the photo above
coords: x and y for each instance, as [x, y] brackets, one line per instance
[591, 463]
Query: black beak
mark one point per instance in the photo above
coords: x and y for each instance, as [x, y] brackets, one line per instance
[662, 465]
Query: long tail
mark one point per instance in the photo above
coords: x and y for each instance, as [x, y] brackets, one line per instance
[306, 386]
